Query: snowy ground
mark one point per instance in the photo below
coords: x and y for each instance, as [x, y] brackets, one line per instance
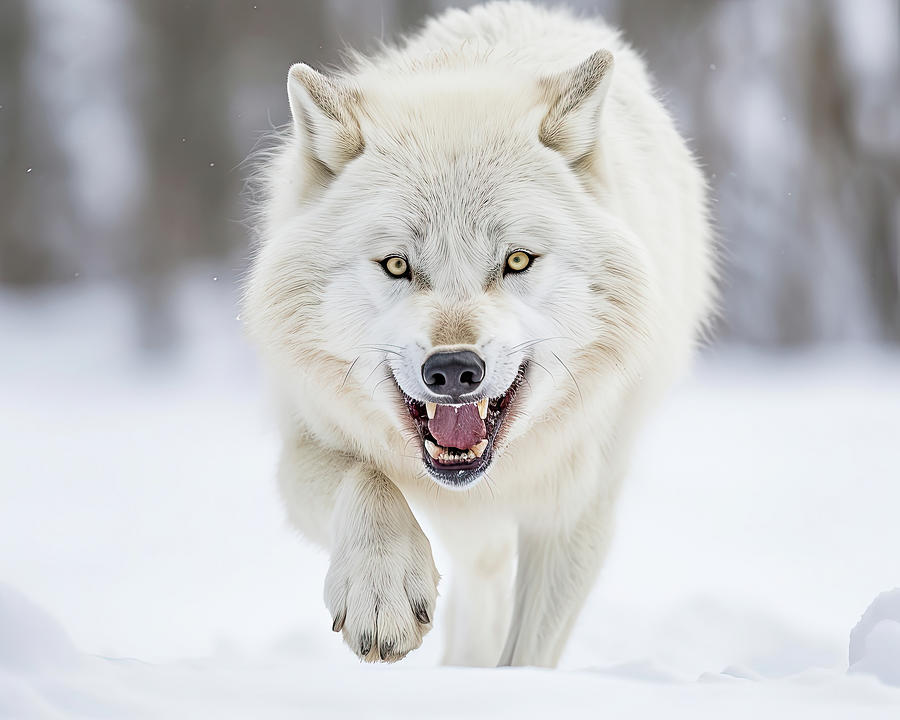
[146, 571]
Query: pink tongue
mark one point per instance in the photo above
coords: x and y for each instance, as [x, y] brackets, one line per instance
[457, 427]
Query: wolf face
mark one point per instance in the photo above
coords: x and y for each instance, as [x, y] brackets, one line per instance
[440, 260]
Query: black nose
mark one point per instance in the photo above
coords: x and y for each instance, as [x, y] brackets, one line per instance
[453, 373]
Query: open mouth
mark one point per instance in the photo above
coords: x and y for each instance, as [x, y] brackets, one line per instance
[458, 440]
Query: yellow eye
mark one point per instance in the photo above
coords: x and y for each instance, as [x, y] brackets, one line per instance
[395, 266]
[518, 261]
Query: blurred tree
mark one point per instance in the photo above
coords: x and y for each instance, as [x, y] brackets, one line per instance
[182, 108]
[187, 110]
[30, 167]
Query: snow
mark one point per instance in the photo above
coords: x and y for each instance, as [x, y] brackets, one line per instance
[148, 572]
[875, 641]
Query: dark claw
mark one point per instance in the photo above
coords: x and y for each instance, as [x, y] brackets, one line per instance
[338, 623]
[421, 613]
[365, 644]
[385, 650]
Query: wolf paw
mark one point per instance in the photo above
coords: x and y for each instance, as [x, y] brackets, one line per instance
[381, 593]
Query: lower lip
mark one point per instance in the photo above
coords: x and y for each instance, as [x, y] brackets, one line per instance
[456, 476]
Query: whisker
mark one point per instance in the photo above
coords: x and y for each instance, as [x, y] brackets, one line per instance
[373, 370]
[374, 348]
[531, 343]
[370, 350]
[571, 375]
[350, 370]
[409, 440]
[379, 383]
[530, 386]
[490, 484]
[552, 376]
[434, 488]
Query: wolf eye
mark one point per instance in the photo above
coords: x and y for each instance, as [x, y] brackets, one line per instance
[518, 261]
[395, 266]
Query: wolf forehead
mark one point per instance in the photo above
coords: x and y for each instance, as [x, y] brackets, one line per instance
[445, 113]
[450, 162]
[463, 173]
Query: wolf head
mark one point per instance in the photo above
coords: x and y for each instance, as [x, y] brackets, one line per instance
[442, 262]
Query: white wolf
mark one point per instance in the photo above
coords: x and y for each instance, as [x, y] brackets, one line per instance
[484, 253]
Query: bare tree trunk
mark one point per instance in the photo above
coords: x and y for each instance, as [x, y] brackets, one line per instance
[25, 257]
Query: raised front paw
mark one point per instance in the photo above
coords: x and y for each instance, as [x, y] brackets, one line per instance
[381, 591]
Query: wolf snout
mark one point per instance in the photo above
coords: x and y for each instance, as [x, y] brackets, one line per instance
[453, 373]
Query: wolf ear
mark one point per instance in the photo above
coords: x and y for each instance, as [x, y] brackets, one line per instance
[576, 99]
[323, 117]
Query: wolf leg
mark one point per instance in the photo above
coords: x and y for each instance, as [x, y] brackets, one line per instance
[381, 585]
[477, 612]
[555, 573]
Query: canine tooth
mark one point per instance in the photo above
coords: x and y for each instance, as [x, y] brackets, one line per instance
[479, 447]
[430, 408]
[482, 407]
[433, 450]
[470, 455]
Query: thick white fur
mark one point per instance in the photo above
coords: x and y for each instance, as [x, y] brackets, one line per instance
[503, 127]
